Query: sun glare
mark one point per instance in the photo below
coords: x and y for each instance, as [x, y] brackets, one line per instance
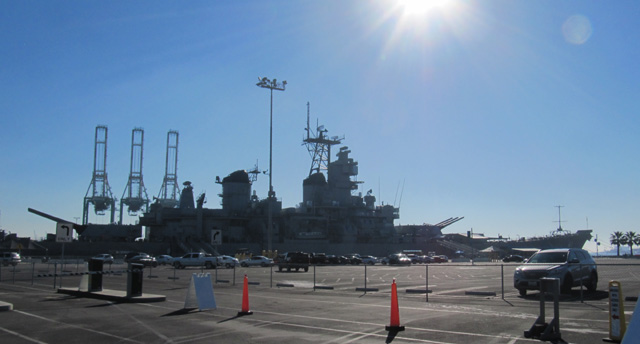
[420, 7]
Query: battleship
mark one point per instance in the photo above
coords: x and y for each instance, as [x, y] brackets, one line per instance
[333, 217]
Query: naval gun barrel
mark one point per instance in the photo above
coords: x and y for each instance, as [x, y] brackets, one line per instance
[77, 227]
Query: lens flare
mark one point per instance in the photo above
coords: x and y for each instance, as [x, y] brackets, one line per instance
[577, 29]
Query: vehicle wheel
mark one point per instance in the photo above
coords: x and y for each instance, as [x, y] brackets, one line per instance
[306, 269]
[177, 265]
[523, 292]
[208, 265]
[244, 265]
[280, 268]
[372, 263]
[227, 265]
[567, 285]
[297, 269]
[154, 264]
[592, 283]
[288, 269]
[264, 265]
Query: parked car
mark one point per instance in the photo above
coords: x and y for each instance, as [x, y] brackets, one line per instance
[11, 258]
[513, 258]
[371, 260]
[318, 258]
[143, 259]
[104, 257]
[396, 259]
[426, 259]
[128, 256]
[573, 266]
[228, 261]
[196, 259]
[415, 259]
[257, 261]
[164, 259]
[354, 259]
[439, 259]
[333, 259]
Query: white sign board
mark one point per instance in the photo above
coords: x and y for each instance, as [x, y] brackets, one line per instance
[64, 232]
[200, 293]
[216, 237]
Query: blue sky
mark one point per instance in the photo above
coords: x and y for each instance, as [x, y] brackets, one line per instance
[493, 110]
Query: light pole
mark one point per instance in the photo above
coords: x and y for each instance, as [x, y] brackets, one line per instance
[271, 85]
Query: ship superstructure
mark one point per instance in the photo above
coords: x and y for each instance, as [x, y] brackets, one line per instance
[332, 210]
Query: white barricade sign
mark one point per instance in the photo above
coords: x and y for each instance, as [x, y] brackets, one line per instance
[200, 293]
[617, 322]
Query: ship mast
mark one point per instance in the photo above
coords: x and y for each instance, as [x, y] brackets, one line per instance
[559, 218]
[319, 146]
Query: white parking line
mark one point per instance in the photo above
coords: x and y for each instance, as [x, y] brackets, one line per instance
[77, 327]
[22, 336]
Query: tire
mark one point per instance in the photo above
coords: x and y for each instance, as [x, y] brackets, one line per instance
[567, 285]
[306, 269]
[279, 268]
[227, 265]
[177, 265]
[592, 283]
[264, 265]
[208, 265]
[522, 292]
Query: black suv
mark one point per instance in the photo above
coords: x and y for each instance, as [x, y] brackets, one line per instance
[293, 260]
[573, 266]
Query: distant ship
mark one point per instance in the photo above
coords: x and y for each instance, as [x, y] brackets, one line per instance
[557, 239]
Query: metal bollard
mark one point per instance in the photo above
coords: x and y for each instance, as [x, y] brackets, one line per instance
[540, 329]
[502, 274]
[426, 281]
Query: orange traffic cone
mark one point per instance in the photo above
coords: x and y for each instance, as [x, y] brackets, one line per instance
[245, 298]
[394, 325]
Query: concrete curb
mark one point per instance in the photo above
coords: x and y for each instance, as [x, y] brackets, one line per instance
[113, 295]
[480, 293]
[419, 291]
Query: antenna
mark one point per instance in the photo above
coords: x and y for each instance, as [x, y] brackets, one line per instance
[559, 218]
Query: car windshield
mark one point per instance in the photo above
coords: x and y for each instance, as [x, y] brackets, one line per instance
[549, 257]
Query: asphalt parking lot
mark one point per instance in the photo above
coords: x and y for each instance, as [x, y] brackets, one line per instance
[333, 304]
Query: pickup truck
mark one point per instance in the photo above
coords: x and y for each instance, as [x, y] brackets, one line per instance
[196, 259]
[293, 260]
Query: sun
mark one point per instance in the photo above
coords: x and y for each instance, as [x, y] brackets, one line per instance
[420, 7]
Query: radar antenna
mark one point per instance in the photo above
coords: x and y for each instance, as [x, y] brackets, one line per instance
[253, 173]
[319, 146]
